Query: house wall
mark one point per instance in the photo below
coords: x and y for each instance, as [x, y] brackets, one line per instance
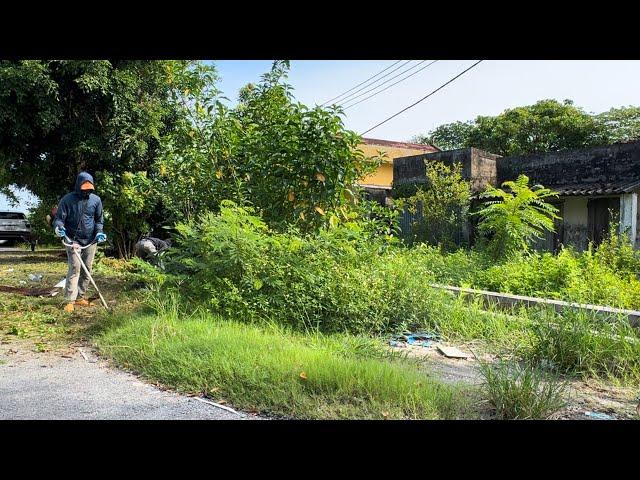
[638, 223]
[629, 216]
[590, 170]
[383, 176]
[575, 221]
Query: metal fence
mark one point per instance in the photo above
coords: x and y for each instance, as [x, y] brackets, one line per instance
[413, 228]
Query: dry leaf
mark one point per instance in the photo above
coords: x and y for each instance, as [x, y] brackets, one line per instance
[219, 174]
[291, 197]
[303, 375]
[320, 177]
[320, 211]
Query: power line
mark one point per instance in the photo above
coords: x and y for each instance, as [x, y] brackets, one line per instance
[368, 79]
[386, 88]
[343, 101]
[423, 98]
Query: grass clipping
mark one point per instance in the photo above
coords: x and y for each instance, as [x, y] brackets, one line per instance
[269, 370]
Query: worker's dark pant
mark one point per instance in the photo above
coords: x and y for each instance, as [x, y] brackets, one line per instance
[77, 280]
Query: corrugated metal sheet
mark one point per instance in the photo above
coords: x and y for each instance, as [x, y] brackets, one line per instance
[598, 188]
[590, 189]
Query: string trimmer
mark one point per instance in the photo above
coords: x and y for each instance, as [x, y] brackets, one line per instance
[77, 248]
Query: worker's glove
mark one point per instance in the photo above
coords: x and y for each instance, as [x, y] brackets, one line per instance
[101, 237]
[60, 231]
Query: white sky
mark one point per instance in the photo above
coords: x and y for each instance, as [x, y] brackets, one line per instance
[488, 89]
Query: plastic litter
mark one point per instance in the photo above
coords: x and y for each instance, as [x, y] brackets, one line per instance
[35, 278]
[421, 339]
[61, 284]
[599, 416]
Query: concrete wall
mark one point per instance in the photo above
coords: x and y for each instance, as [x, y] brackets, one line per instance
[478, 166]
[377, 194]
[608, 164]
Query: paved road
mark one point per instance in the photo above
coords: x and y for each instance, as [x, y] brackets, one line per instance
[51, 387]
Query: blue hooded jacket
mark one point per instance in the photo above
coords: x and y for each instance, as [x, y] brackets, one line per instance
[81, 217]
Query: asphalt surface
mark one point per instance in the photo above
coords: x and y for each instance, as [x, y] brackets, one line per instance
[50, 387]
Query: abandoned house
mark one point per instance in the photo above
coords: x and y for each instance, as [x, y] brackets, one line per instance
[596, 186]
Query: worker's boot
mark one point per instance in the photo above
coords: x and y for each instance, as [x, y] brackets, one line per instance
[82, 302]
[68, 307]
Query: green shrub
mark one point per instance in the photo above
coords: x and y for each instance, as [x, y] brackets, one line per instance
[602, 276]
[617, 253]
[339, 280]
[532, 274]
[442, 204]
[521, 391]
[511, 219]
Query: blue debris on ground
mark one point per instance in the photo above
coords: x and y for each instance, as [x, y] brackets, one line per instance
[421, 339]
[599, 416]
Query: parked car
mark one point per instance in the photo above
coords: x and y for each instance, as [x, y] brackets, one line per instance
[14, 226]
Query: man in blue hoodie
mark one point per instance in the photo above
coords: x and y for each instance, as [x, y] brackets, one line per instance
[81, 219]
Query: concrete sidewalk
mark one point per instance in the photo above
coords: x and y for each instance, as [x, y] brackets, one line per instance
[50, 387]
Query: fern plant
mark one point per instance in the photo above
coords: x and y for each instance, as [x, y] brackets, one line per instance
[514, 215]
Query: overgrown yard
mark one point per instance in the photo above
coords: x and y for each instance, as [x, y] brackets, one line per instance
[258, 368]
[281, 360]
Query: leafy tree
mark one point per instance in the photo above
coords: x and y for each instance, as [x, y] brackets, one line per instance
[298, 163]
[545, 126]
[622, 124]
[106, 117]
[294, 164]
[449, 136]
[510, 219]
[442, 204]
[195, 169]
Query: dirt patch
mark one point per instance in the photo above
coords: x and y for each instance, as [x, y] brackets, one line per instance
[620, 403]
[29, 292]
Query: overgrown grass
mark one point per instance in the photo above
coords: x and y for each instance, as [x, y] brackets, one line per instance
[278, 372]
[580, 343]
[520, 392]
[608, 275]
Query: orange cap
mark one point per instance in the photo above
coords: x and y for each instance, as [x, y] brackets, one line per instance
[86, 186]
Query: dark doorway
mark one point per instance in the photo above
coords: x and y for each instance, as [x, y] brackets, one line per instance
[602, 211]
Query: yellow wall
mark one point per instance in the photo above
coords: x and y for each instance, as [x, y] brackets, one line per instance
[384, 175]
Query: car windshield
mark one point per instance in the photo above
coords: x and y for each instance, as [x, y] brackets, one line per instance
[11, 216]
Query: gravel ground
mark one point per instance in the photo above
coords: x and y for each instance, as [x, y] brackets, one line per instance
[50, 387]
